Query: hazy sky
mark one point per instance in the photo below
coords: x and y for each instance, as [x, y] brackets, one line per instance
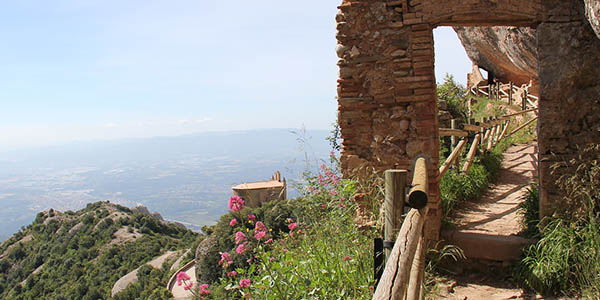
[104, 69]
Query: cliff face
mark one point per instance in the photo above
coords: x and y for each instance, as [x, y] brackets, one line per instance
[509, 52]
[592, 12]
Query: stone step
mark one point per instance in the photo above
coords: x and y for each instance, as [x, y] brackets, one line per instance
[477, 245]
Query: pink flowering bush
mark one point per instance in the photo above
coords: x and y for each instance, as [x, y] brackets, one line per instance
[236, 203]
[306, 248]
[184, 279]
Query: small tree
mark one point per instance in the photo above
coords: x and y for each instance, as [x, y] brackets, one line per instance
[454, 94]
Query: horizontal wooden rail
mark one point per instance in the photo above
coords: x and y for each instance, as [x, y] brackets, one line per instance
[417, 196]
[522, 126]
[469, 127]
[453, 132]
[519, 113]
[451, 158]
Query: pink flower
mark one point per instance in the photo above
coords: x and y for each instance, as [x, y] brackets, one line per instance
[293, 226]
[245, 283]
[291, 234]
[260, 226]
[346, 258]
[182, 276]
[284, 250]
[323, 206]
[260, 235]
[232, 222]
[240, 237]
[241, 248]
[236, 203]
[188, 285]
[232, 274]
[225, 259]
[268, 241]
[252, 217]
[203, 289]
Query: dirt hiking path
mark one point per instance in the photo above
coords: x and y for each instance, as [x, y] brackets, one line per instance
[497, 211]
[495, 216]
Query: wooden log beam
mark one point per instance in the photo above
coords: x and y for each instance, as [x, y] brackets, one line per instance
[417, 271]
[519, 113]
[497, 136]
[471, 154]
[522, 126]
[393, 283]
[490, 141]
[395, 182]
[451, 158]
[504, 130]
[475, 128]
[418, 196]
[453, 132]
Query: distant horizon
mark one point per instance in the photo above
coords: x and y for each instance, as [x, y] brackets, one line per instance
[89, 70]
[175, 135]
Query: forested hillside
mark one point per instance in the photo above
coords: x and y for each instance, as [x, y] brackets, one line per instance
[80, 255]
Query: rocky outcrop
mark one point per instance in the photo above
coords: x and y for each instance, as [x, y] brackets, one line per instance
[509, 52]
[592, 12]
[206, 254]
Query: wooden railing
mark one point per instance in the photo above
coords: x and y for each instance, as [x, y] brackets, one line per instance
[404, 241]
[507, 91]
[487, 134]
[403, 275]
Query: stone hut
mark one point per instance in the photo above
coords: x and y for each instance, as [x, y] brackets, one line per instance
[257, 193]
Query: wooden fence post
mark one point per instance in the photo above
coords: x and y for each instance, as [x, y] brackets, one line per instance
[504, 130]
[471, 154]
[524, 101]
[490, 140]
[395, 183]
[510, 93]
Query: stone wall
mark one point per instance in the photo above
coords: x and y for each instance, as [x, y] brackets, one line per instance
[569, 59]
[386, 87]
[386, 92]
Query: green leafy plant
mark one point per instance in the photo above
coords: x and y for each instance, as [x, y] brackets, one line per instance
[319, 255]
[566, 260]
[529, 210]
[453, 93]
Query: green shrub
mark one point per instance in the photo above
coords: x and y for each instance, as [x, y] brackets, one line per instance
[566, 259]
[529, 210]
[453, 93]
[327, 256]
[456, 187]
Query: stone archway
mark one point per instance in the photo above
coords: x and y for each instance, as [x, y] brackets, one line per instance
[387, 91]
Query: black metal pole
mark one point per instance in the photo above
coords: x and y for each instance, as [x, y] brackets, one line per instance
[378, 258]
